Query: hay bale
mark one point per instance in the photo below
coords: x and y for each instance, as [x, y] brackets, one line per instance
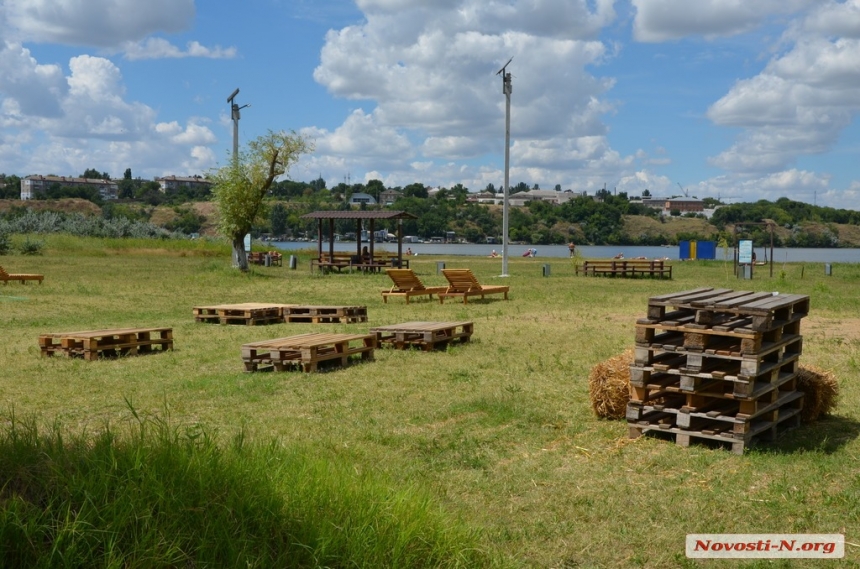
[609, 386]
[820, 389]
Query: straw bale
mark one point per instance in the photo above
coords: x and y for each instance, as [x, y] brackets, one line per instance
[609, 386]
[820, 389]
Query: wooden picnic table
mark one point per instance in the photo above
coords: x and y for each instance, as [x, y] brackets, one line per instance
[625, 268]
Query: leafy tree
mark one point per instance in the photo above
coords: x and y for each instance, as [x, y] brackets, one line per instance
[10, 188]
[374, 188]
[278, 219]
[646, 193]
[127, 174]
[241, 186]
[415, 190]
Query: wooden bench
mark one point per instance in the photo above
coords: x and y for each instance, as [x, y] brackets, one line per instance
[626, 268]
[91, 344]
[426, 335]
[308, 351]
[22, 277]
[462, 283]
[249, 313]
[259, 258]
[340, 260]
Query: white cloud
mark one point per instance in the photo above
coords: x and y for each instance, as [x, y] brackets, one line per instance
[430, 71]
[102, 23]
[35, 89]
[798, 105]
[160, 48]
[836, 19]
[662, 20]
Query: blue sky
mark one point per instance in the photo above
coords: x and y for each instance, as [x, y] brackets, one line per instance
[742, 100]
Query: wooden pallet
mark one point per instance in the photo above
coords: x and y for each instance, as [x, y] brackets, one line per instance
[767, 429]
[249, 313]
[426, 335]
[708, 305]
[325, 314]
[308, 351]
[91, 344]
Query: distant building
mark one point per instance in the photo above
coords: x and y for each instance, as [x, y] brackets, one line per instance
[34, 186]
[359, 198]
[173, 183]
[684, 205]
[388, 197]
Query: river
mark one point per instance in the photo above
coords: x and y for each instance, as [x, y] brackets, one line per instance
[780, 255]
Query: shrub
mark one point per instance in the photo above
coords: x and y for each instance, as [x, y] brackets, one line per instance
[5, 243]
[31, 247]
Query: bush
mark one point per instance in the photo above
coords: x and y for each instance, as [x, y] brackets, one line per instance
[5, 243]
[31, 247]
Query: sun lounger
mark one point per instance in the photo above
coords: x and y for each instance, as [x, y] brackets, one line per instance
[407, 284]
[464, 284]
[6, 277]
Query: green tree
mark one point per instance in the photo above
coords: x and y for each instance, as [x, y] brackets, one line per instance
[278, 219]
[241, 186]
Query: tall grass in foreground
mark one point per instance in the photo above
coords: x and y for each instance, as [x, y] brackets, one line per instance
[151, 495]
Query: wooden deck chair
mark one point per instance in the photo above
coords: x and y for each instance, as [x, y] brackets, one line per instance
[407, 284]
[463, 283]
[6, 277]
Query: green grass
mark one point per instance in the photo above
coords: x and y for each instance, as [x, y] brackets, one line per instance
[153, 495]
[498, 431]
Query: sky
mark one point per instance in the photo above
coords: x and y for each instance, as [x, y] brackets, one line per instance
[735, 99]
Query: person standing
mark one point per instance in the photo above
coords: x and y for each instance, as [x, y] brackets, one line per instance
[572, 248]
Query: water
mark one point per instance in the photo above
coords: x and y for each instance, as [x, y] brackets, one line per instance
[780, 255]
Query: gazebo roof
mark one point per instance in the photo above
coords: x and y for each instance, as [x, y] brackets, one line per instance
[359, 214]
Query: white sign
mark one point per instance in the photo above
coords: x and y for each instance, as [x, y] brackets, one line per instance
[248, 243]
[745, 251]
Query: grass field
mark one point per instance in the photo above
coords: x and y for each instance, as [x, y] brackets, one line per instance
[499, 430]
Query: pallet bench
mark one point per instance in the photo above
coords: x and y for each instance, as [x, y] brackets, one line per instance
[275, 258]
[248, 313]
[325, 314]
[90, 344]
[308, 351]
[426, 335]
[625, 268]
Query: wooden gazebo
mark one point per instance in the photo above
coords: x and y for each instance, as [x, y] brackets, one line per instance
[360, 217]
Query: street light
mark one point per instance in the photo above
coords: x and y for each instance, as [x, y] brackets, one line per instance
[234, 112]
[506, 89]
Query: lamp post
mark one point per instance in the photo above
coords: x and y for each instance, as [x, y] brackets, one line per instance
[234, 113]
[506, 89]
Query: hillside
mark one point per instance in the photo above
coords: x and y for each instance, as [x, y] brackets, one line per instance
[636, 227]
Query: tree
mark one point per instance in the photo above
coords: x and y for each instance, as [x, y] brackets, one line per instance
[278, 219]
[127, 174]
[241, 186]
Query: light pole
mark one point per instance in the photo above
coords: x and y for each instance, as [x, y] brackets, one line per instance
[234, 113]
[506, 89]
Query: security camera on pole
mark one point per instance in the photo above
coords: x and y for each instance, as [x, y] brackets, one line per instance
[234, 113]
[506, 89]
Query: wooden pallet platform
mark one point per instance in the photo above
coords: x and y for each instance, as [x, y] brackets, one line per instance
[707, 306]
[655, 385]
[715, 412]
[756, 431]
[426, 335]
[308, 351]
[248, 313]
[90, 344]
[325, 314]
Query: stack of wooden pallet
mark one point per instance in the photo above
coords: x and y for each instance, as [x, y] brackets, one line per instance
[717, 364]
